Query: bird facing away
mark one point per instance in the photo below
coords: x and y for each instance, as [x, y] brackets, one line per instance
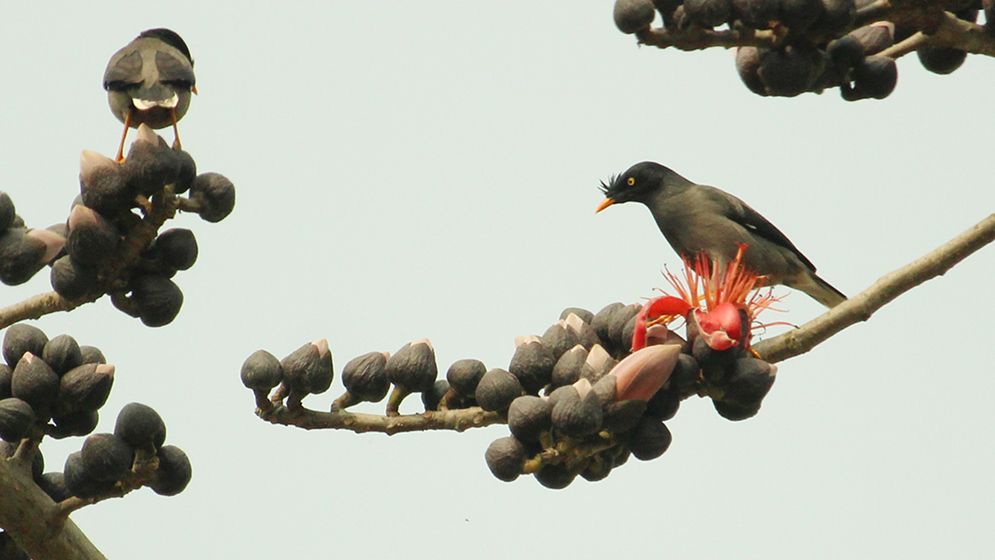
[701, 219]
[149, 81]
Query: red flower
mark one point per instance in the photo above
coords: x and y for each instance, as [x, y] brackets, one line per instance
[715, 301]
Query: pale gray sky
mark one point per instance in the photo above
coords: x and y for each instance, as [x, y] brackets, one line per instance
[409, 169]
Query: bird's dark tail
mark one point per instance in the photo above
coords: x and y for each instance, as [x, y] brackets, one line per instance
[820, 290]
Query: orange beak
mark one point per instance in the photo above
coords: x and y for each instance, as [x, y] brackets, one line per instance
[193, 89]
[604, 204]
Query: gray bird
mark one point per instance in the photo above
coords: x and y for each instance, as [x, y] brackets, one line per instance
[149, 81]
[701, 219]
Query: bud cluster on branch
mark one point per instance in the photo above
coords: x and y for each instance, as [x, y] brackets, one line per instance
[789, 47]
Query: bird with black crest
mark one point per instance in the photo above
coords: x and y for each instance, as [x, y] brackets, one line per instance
[699, 219]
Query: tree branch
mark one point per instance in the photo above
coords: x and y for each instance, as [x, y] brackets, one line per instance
[31, 518]
[163, 208]
[938, 29]
[887, 288]
[457, 420]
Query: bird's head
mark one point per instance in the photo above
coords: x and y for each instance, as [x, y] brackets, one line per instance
[639, 183]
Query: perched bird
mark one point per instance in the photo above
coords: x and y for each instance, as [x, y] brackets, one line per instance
[149, 81]
[701, 219]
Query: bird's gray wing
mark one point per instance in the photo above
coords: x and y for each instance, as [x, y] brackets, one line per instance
[174, 70]
[123, 70]
[741, 213]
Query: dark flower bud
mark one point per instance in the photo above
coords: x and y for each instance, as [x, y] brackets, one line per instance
[597, 364]
[558, 339]
[20, 339]
[875, 77]
[750, 381]
[529, 416]
[505, 457]
[790, 71]
[941, 60]
[618, 322]
[177, 248]
[16, 419]
[84, 388]
[309, 368]
[799, 15]
[875, 37]
[837, 16]
[597, 468]
[664, 404]
[708, 13]
[667, 8]
[568, 391]
[577, 416]
[92, 355]
[555, 477]
[187, 172]
[151, 164]
[62, 354]
[569, 367]
[604, 389]
[74, 424]
[464, 376]
[157, 298]
[633, 15]
[584, 315]
[261, 371]
[413, 366]
[623, 416]
[757, 14]
[174, 471]
[735, 411]
[5, 374]
[215, 194]
[21, 256]
[92, 239]
[53, 484]
[601, 323]
[106, 457]
[34, 382]
[497, 389]
[845, 52]
[649, 439]
[55, 242]
[140, 426]
[103, 186]
[7, 211]
[532, 364]
[433, 396]
[80, 482]
[365, 379]
[586, 336]
[72, 280]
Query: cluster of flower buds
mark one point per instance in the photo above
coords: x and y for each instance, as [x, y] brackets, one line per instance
[817, 45]
[24, 251]
[50, 386]
[103, 219]
[55, 387]
[305, 371]
[578, 402]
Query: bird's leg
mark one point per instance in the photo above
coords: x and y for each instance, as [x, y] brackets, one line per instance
[124, 136]
[176, 131]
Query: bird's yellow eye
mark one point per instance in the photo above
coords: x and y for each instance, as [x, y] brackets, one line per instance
[631, 181]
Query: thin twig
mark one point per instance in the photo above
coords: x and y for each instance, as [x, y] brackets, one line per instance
[887, 288]
[910, 44]
[457, 420]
